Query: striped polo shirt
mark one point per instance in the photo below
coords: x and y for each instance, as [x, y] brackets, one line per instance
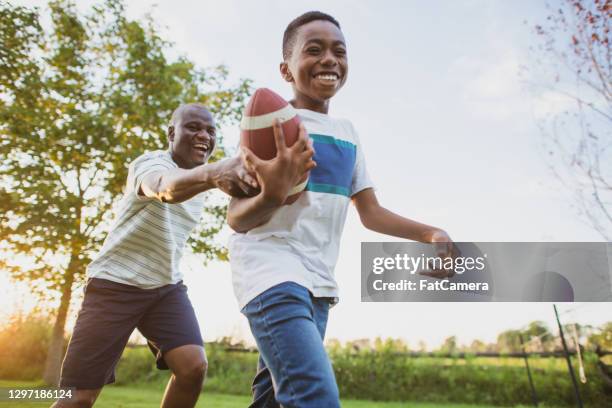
[146, 242]
[301, 241]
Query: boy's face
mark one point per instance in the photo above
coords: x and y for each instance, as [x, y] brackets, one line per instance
[318, 65]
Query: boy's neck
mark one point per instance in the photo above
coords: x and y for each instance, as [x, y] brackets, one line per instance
[310, 104]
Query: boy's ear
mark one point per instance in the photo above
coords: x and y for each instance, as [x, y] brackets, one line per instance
[171, 133]
[285, 73]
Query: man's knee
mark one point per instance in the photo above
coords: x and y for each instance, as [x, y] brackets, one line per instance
[192, 374]
[188, 364]
[80, 399]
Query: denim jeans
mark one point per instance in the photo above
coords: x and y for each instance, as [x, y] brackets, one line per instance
[294, 371]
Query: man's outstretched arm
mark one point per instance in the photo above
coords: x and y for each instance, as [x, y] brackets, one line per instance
[178, 185]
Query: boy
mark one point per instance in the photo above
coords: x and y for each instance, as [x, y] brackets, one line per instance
[135, 282]
[283, 257]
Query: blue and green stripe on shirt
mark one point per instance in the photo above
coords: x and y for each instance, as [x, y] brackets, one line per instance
[335, 160]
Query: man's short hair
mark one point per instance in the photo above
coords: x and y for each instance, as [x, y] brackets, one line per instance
[178, 111]
[291, 30]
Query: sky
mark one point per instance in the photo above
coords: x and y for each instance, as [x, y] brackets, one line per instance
[448, 128]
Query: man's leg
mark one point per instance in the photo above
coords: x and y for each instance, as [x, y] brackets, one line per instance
[290, 343]
[80, 399]
[188, 365]
[173, 332]
[107, 317]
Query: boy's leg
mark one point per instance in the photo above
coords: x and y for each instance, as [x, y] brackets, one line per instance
[174, 336]
[282, 320]
[262, 388]
[107, 318]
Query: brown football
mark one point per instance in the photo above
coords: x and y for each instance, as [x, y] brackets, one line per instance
[257, 134]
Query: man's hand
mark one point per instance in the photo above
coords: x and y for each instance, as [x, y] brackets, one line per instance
[233, 178]
[280, 174]
[445, 248]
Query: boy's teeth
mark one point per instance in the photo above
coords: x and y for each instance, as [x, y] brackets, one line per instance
[327, 77]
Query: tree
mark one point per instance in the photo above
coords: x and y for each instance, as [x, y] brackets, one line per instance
[477, 346]
[572, 70]
[449, 346]
[538, 332]
[78, 102]
[509, 341]
[603, 338]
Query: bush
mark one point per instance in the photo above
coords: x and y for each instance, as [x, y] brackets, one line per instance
[386, 375]
[23, 347]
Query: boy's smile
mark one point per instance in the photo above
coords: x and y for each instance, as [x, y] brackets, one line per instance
[318, 65]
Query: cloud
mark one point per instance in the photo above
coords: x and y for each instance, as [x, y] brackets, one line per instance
[490, 86]
[549, 103]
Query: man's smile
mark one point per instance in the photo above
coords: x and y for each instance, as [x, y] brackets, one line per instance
[203, 148]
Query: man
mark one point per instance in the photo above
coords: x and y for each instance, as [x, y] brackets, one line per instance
[135, 281]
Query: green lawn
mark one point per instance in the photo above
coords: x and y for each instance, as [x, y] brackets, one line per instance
[147, 396]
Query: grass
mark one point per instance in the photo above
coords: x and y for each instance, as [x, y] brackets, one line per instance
[146, 396]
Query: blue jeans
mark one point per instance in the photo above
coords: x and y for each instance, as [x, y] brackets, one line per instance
[294, 371]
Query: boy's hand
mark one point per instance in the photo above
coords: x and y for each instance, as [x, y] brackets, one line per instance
[280, 174]
[233, 178]
[445, 248]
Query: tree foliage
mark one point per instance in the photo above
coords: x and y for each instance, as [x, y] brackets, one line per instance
[77, 103]
[602, 338]
[79, 100]
[571, 72]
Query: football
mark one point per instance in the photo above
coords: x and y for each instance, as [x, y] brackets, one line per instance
[257, 134]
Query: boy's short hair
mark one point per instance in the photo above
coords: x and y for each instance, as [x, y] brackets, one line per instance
[291, 30]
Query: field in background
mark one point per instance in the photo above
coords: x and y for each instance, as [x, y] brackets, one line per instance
[146, 396]
[385, 371]
[386, 375]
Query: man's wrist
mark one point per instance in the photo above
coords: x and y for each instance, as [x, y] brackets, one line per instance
[209, 175]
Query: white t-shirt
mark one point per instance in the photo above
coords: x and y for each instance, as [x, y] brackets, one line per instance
[301, 242]
[145, 244]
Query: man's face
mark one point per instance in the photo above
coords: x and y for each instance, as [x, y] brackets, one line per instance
[318, 65]
[192, 137]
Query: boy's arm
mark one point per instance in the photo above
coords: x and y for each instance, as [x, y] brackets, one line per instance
[276, 178]
[377, 218]
[244, 214]
[178, 185]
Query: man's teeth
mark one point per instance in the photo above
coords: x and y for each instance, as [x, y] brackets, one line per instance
[327, 77]
[201, 146]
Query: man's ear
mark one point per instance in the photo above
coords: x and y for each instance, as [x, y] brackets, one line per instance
[285, 73]
[171, 133]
